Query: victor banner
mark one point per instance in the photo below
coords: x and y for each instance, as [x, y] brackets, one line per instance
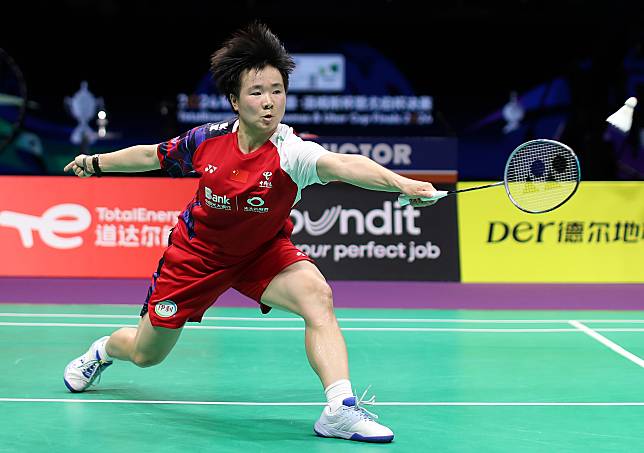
[432, 159]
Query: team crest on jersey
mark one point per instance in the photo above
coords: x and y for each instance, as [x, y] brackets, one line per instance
[266, 183]
[165, 309]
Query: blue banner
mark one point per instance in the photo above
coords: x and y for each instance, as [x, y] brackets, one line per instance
[399, 153]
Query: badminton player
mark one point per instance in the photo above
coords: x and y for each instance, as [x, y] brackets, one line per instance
[235, 232]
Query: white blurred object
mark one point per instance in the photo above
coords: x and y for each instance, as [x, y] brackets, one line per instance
[623, 118]
[101, 122]
[83, 106]
[513, 113]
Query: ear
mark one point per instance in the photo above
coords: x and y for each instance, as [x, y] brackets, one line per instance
[234, 102]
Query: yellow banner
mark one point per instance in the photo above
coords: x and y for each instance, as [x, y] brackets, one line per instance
[597, 236]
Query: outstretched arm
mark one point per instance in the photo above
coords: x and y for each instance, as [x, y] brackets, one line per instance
[129, 160]
[361, 171]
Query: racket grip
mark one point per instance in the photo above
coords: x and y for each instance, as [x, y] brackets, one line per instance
[404, 200]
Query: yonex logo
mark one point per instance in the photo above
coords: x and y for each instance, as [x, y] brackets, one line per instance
[210, 168]
[165, 309]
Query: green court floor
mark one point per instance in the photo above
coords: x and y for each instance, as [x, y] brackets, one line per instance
[445, 381]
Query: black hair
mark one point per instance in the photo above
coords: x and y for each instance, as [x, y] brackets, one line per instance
[253, 47]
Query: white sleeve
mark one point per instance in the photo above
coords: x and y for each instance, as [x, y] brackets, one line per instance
[304, 157]
[299, 159]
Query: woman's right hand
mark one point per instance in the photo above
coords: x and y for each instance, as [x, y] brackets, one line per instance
[80, 166]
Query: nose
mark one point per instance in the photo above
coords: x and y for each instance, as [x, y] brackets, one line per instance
[267, 102]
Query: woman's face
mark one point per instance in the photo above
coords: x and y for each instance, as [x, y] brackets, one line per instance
[262, 99]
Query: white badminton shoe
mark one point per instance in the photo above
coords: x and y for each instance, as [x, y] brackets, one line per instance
[83, 371]
[352, 421]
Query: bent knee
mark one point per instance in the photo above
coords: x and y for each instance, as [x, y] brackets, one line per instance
[318, 306]
[145, 360]
[322, 293]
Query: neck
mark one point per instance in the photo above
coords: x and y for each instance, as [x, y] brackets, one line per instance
[248, 141]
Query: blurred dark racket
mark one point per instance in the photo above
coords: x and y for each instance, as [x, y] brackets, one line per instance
[13, 99]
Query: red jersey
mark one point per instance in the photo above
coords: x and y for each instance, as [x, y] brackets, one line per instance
[243, 200]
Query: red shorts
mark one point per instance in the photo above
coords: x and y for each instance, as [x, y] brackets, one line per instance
[184, 286]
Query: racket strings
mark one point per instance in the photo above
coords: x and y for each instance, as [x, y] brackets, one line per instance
[541, 175]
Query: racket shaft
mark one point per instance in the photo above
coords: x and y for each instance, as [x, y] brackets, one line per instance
[500, 183]
[404, 200]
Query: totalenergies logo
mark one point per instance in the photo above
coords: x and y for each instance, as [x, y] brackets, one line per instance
[59, 219]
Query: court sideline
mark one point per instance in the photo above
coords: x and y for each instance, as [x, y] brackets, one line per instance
[445, 380]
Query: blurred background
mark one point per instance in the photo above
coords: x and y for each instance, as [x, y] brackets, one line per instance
[441, 91]
[489, 74]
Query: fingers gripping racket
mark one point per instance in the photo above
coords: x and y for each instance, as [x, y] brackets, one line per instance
[540, 175]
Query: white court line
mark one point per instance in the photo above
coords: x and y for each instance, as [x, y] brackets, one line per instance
[66, 315]
[249, 403]
[297, 319]
[608, 343]
[354, 329]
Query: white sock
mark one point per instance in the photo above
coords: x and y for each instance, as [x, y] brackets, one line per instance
[102, 353]
[337, 392]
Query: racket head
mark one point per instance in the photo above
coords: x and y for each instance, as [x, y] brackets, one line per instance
[541, 175]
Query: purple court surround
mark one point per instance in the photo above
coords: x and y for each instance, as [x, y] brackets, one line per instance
[354, 294]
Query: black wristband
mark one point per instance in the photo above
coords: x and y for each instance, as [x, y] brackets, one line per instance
[95, 166]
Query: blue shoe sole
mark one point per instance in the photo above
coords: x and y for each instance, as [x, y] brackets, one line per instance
[378, 439]
[359, 438]
[69, 387]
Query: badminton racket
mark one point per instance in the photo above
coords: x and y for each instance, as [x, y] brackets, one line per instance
[540, 175]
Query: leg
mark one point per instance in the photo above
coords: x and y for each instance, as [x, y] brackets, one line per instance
[301, 289]
[192, 287]
[145, 345]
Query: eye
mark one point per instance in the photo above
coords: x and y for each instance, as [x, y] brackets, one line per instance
[277, 91]
[255, 93]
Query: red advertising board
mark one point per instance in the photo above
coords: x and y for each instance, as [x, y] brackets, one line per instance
[70, 227]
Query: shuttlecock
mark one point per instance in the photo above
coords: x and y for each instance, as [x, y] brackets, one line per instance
[623, 118]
